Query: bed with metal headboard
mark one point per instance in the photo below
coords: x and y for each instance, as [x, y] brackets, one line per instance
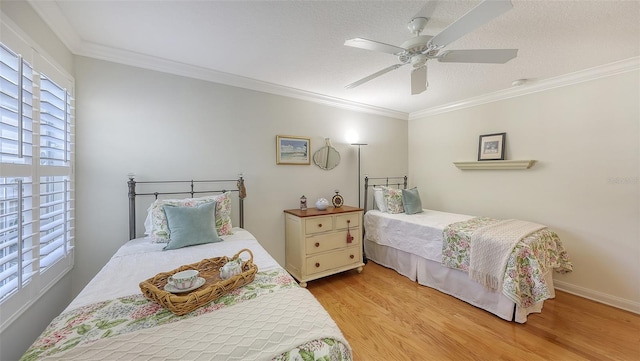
[435, 249]
[373, 182]
[112, 319]
[184, 188]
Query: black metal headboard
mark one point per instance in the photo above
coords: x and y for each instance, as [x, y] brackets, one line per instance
[240, 188]
[382, 181]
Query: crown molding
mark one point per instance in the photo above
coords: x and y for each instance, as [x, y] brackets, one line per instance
[623, 66]
[191, 71]
[53, 17]
[51, 14]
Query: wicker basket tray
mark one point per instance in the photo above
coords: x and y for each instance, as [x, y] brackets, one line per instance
[213, 288]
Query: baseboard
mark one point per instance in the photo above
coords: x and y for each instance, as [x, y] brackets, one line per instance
[600, 297]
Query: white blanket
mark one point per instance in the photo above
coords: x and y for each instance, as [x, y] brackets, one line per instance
[259, 329]
[419, 234]
[490, 249]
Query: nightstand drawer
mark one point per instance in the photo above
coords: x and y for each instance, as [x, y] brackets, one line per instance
[326, 242]
[327, 261]
[318, 224]
[350, 220]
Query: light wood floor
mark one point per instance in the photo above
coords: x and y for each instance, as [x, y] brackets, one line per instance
[386, 316]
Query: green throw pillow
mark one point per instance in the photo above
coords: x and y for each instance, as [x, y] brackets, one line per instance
[189, 226]
[411, 201]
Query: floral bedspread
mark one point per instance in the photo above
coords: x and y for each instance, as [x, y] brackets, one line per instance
[524, 281]
[128, 314]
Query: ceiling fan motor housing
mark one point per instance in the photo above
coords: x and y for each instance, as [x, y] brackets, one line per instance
[416, 51]
[417, 44]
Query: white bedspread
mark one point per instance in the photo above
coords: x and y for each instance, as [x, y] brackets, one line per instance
[419, 234]
[252, 330]
[118, 278]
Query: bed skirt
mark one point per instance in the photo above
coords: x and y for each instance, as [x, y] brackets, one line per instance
[452, 282]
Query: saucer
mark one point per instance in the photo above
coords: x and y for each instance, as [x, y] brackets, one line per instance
[198, 283]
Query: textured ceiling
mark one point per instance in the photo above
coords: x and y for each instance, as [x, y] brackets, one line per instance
[298, 45]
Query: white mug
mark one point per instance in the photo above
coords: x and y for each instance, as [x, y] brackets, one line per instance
[184, 279]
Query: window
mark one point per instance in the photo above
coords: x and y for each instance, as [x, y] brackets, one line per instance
[36, 182]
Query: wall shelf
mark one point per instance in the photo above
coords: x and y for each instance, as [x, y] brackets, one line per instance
[495, 164]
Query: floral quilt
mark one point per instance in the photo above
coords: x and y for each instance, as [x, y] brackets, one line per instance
[524, 281]
[128, 314]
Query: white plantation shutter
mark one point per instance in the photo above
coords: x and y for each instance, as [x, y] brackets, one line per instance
[36, 180]
[16, 108]
[54, 123]
[55, 220]
[16, 235]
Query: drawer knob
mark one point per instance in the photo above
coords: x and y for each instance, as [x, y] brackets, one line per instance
[348, 221]
[352, 256]
[317, 244]
[319, 224]
[317, 264]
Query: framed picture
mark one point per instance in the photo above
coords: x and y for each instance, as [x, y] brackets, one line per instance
[293, 150]
[491, 146]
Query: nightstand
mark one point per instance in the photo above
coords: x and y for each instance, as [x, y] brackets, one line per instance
[321, 243]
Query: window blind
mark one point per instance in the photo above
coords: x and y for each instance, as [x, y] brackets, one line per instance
[16, 235]
[36, 182]
[16, 108]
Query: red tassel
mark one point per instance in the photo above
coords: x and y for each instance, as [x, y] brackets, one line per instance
[349, 237]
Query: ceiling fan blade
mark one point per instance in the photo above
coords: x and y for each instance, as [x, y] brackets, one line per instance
[427, 10]
[496, 56]
[374, 75]
[419, 80]
[373, 45]
[477, 16]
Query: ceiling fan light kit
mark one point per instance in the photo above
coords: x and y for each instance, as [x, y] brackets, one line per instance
[421, 48]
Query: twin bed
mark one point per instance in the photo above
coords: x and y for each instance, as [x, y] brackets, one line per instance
[432, 248]
[271, 318]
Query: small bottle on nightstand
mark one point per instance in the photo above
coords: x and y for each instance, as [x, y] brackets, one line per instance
[303, 203]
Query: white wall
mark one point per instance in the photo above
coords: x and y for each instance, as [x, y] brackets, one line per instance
[585, 184]
[162, 126]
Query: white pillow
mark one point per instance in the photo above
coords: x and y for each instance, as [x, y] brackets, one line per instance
[148, 225]
[378, 197]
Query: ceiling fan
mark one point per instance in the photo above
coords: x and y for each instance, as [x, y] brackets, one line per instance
[417, 50]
